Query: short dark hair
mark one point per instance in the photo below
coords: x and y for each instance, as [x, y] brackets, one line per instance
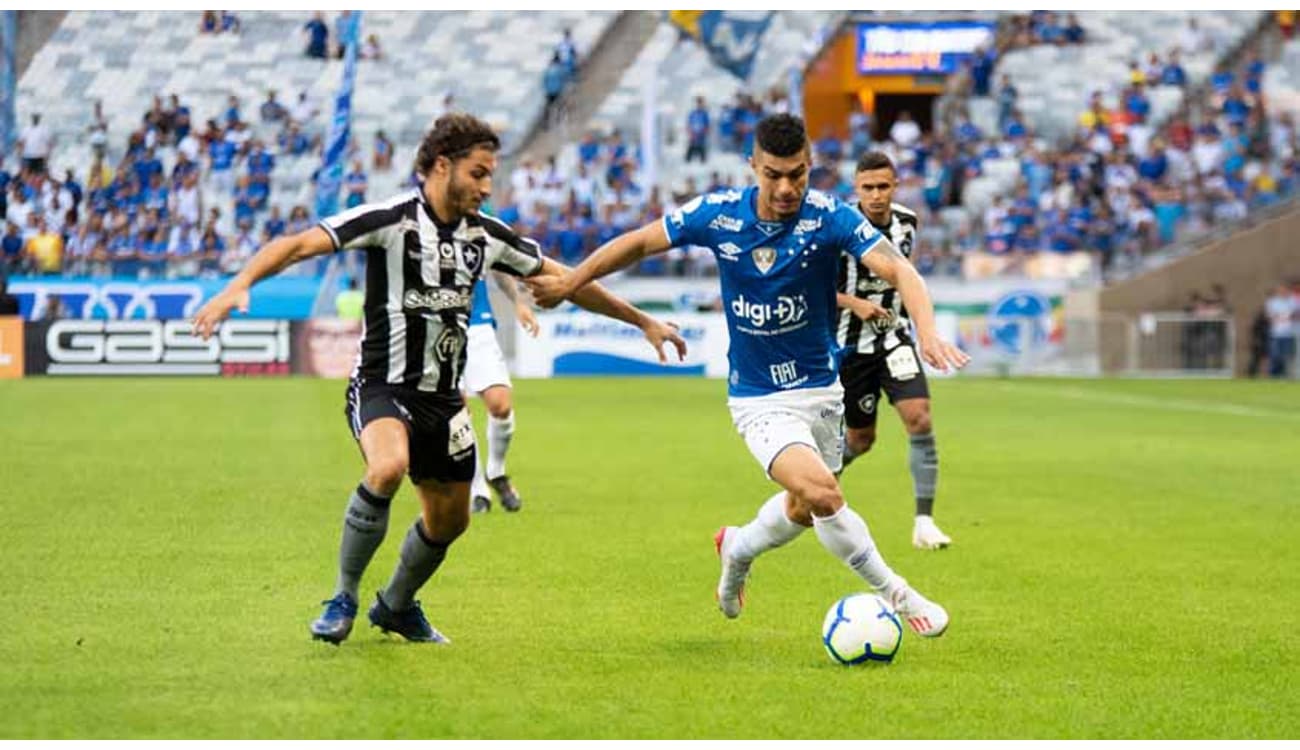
[454, 135]
[875, 160]
[781, 135]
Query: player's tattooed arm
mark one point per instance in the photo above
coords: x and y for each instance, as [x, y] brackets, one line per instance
[523, 310]
[620, 252]
[596, 298]
[885, 261]
[863, 308]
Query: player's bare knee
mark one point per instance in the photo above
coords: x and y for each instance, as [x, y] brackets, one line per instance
[384, 475]
[452, 525]
[822, 497]
[860, 441]
[918, 422]
[498, 402]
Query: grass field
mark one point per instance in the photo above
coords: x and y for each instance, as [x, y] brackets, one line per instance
[1125, 566]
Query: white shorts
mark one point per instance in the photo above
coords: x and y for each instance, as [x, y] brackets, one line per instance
[485, 365]
[808, 416]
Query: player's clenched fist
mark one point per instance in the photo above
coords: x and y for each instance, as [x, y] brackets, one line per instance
[549, 291]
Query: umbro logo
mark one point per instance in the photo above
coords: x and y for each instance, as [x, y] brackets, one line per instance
[729, 251]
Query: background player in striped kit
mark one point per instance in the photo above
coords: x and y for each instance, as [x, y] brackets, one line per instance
[426, 248]
[875, 333]
[487, 375]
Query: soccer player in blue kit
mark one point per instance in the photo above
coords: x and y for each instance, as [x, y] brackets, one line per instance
[487, 375]
[778, 246]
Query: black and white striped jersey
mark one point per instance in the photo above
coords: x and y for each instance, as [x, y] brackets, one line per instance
[878, 335]
[420, 276]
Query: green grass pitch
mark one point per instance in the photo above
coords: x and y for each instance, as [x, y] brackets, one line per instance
[1124, 566]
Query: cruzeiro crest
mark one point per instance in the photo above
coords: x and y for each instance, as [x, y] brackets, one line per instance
[764, 258]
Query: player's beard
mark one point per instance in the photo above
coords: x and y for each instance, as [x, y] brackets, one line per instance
[464, 198]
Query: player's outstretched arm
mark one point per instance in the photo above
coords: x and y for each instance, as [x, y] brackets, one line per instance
[523, 311]
[272, 258]
[596, 298]
[618, 253]
[863, 308]
[887, 263]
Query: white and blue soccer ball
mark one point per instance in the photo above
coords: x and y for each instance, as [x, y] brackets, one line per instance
[862, 629]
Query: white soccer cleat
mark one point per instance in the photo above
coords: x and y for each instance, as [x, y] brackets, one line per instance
[731, 584]
[923, 616]
[927, 535]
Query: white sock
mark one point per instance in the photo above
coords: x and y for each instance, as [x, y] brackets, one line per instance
[499, 432]
[846, 536]
[479, 486]
[770, 529]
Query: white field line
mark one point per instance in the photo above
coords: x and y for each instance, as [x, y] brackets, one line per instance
[1150, 402]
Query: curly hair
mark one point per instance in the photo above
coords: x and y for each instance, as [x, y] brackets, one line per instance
[454, 135]
[781, 135]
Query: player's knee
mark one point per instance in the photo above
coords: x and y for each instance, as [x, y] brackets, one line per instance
[453, 525]
[499, 409]
[497, 400]
[821, 497]
[385, 474]
[918, 423]
[860, 441]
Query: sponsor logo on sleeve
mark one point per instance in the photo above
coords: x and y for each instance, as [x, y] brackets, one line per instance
[726, 224]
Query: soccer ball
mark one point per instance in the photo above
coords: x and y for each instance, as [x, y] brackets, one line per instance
[862, 628]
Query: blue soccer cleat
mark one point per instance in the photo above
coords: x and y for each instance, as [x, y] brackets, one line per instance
[408, 623]
[335, 623]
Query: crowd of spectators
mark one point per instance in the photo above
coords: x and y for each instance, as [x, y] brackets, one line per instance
[1118, 188]
[158, 211]
[177, 197]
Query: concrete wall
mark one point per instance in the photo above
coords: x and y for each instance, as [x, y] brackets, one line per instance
[1248, 264]
[35, 27]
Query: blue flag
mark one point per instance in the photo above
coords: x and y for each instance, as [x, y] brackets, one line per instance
[330, 176]
[8, 79]
[730, 37]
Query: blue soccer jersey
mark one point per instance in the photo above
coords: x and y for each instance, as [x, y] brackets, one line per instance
[480, 312]
[778, 283]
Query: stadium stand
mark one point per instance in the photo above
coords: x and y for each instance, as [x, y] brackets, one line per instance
[1081, 170]
[108, 67]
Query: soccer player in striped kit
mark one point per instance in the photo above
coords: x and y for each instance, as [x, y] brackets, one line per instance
[426, 248]
[879, 355]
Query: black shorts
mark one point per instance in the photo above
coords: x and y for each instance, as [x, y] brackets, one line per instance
[438, 428]
[897, 372]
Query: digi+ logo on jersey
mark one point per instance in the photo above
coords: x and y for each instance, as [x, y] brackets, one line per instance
[787, 311]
